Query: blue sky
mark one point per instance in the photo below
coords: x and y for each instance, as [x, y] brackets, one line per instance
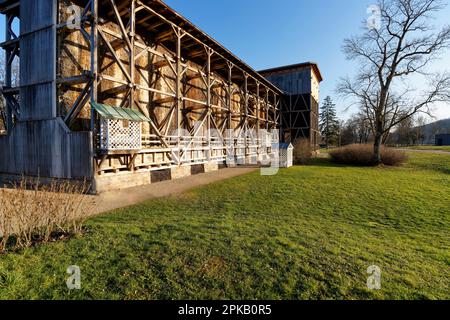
[268, 33]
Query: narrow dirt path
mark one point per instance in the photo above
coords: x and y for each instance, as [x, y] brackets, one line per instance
[111, 200]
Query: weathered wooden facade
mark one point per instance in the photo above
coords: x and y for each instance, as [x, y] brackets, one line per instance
[300, 102]
[201, 104]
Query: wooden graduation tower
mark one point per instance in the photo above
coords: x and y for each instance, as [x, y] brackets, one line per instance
[123, 92]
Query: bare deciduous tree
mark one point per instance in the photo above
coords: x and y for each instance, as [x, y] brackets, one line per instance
[356, 130]
[403, 46]
[419, 130]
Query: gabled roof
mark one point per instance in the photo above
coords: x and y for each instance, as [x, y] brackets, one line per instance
[313, 65]
[170, 14]
[286, 146]
[161, 20]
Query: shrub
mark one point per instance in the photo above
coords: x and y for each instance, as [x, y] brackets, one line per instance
[302, 151]
[362, 154]
[392, 157]
[30, 213]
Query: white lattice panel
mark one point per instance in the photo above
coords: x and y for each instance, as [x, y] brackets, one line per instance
[120, 135]
[286, 157]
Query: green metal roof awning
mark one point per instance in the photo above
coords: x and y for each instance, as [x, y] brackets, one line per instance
[116, 113]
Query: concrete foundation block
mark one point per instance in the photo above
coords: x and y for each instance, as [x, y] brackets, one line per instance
[121, 180]
[251, 160]
[240, 161]
[180, 172]
[211, 166]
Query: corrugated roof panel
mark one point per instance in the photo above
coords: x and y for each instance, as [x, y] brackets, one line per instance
[109, 112]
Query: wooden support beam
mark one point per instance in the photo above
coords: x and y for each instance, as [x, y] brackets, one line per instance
[246, 112]
[78, 105]
[111, 92]
[114, 54]
[70, 81]
[230, 100]
[267, 109]
[209, 54]
[8, 71]
[258, 117]
[178, 88]
[132, 62]
[160, 64]
[164, 100]
[163, 36]
[94, 76]
[10, 43]
[118, 17]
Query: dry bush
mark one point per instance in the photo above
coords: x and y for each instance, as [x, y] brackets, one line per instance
[392, 157]
[362, 155]
[30, 212]
[302, 151]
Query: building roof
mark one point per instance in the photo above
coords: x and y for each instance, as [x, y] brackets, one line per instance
[157, 22]
[176, 18]
[293, 67]
[114, 113]
[286, 146]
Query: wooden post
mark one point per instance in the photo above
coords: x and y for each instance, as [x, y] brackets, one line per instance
[94, 77]
[8, 71]
[132, 36]
[209, 53]
[178, 93]
[246, 113]
[230, 105]
[275, 109]
[257, 120]
[267, 109]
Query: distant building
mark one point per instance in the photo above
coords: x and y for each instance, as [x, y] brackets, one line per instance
[442, 139]
[300, 104]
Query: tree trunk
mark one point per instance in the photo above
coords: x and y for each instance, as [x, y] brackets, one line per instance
[377, 147]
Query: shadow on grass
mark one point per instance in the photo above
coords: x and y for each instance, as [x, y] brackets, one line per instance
[326, 162]
[431, 167]
[425, 164]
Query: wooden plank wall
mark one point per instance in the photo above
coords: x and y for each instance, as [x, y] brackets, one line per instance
[37, 59]
[46, 149]
[40, 144]
[293, 82]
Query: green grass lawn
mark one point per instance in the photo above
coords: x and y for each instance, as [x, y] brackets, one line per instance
[435, 148]
[308, 233]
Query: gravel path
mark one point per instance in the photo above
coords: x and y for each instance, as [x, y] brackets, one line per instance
[111, 200]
